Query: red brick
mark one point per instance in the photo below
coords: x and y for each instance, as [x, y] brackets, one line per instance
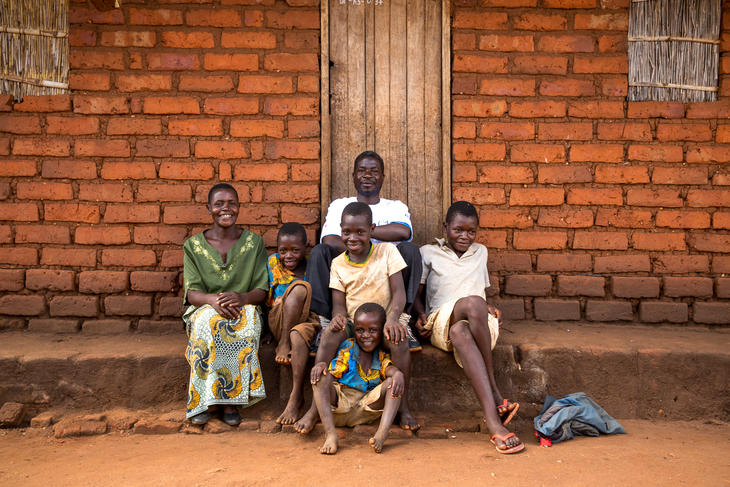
[480, 196]
[71, 212]
[128, 38]
[463, 84]
[162, 148]
[478, 152]
[506, 43]
[564, 263]
[291, 193]
[596, 109]
[539, 22]
[472, 63]
[581, 286]
[708, 154]
[597, 153]
[213, 18]
[20, 124]
[658, 241]
[682, 219]
[163, 192]
[102, 235]
[507, 130]
[54, 280]
[711, 313]
[17, 305]
[614, 86]
[680, 264]
[170, 306]
[566, 43]
[635, 287]
[71, 125]
[528, 285]
[655, 153]
[164, 105]
[556, 309]
[721, 220]
[101, 148]
[231, 62]
[506, 261]
[261, 172]
[144, 82]
[253, 18]
[710, 243]
[612, 43]
[51, 325]
[89, 81]
[463, 173]
[537, 64]
[684, 175]
[128, 305]
[565, 131]
[74, 306]
[98, 282]
[570, 3]
[505, 174]
[43, 191]
[231, 106]
[268, 215]
[159, 234]
[600, 240]
[723, 288]
[304, 216]
[537, 109]
[537, 153]
[20, 212]
[479, 20]
[621, 263]
[463, 130]
[257, 128]
[655, 109]
[248, 40]
[539, 240]
[128, 258]
[4, 146]
[723, 134]
[292, 150]
[477, 108]
[685, 131]
[153, 281]
[42, 234]
[97, 59]
[721, 179]
[41, 147]
[134, 126]
[718, 109]
[195, 126]
[654, 197]
[265, 84]
[291, 62]
[12, 279]
[173, 61]
[491, 218]
[186, 170]
[137, 213]
[82, 38]
[603, 64]
[567, 87]
[44, 103]
[220, 150]
[308, 83]
[609, 311]
[211, 83]
[69, 169]
[19, 256]
[623, 218]
[656, 312]
[189, 40]
[536, 196]
[171, 258]
[618, 21]
[624, 131]
[507, 87]
[595, 196]
[301, 40]
[105, 327]
[621, 174]
[68, 257]
[565, 218]
[461, 41]
[140, 16]
[699, 287]
[293, 19]
[100, 105]
[128, 170]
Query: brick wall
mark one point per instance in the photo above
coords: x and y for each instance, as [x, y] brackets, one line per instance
[99, 189]
[594, 208]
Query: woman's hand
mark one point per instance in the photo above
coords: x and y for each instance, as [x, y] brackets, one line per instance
[394, 331]
[228, 304]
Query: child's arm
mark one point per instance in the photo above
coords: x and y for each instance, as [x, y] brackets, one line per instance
[393, 329]
[339, 311]
[420, 312]
[398, 385]
[328, 347]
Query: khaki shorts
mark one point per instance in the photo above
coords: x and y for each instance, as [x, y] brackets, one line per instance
[308, 323]
[439, 322]
[353, 406]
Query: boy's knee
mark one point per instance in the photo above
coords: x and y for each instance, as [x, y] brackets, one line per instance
[459, 332]
[299, 290]
[473, 304]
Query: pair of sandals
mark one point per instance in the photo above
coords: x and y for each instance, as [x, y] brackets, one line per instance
[231, 418]
[506, 411]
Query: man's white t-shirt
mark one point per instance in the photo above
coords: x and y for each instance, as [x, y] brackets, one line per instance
[384, 212]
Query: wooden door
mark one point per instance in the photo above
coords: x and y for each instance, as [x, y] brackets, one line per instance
[384, 90]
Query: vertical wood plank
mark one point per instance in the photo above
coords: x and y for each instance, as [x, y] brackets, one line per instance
[396, 165]
[325, 147]
[339, 98]
[356, 127]
[415, 112]
[446, 105]
[369, 75]
[432, 128]
[382, 90]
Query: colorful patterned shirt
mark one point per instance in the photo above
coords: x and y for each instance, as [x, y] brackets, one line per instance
[346, 367]
[279, 279]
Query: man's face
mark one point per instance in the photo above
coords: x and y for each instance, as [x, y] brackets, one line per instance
[368, 177]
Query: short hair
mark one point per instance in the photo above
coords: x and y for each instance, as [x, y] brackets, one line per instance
[294, 229]
[369, 154]
[220, 186]
[356, 208]
[374, 308]
[463, 208]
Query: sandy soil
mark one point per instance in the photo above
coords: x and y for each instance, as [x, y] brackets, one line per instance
[653, 453]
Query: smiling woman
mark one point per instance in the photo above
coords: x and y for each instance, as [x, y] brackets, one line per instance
[225, 281]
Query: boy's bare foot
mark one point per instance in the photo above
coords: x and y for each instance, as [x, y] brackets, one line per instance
[330, 445]
[376, 443]
[307, 422]
[408, 422]
[290, 413]
[283, 353]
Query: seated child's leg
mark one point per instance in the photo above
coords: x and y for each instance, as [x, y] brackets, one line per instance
[471, 357]
[292, 313]
[389, 405]
[401, 357]
[299, 358]
[324, 395]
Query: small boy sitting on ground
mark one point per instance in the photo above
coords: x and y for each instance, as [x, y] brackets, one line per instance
[457, 316]
[365, 272]
[356, 390]
[290, 320]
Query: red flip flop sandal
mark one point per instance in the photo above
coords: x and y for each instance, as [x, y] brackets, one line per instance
[507, 451]
[508, 411]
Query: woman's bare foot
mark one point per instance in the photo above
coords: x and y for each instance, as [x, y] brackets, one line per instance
[376, 443]
[307, 422]
[283, 353]
[290, 413]
[330, 445]
[408, 422]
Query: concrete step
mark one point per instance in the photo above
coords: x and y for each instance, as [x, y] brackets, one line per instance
[632, 371]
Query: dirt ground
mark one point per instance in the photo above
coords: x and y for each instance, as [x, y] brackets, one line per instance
[652, 453]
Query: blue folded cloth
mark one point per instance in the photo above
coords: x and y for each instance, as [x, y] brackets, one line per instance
[574, 414]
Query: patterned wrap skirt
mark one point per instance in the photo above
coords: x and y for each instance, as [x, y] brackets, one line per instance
[223, 358]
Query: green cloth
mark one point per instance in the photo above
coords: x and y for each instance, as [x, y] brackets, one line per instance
[243, 271]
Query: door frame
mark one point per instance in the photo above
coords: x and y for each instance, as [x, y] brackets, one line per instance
[326, 125]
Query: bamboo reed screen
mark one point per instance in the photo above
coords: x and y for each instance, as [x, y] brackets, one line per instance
[674, 50]
[33, 47]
